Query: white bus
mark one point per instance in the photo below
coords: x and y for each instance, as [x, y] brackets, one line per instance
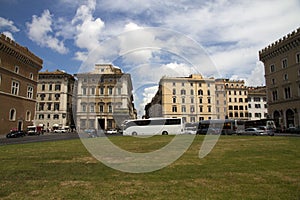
[154, 126]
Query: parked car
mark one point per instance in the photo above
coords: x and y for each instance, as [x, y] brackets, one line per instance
[293, 130]
[111, 131]
[60, 131]
[252, 131]
[190, 130]
[267, 131]
[16, 134]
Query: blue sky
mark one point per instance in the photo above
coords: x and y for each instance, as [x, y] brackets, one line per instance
[64, 33]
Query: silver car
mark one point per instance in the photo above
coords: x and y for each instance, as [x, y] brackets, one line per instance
[253, 131]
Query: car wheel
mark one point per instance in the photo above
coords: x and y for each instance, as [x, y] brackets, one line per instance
[164, 133]
[134, 133]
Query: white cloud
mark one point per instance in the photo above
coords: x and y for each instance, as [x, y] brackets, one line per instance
[8, 25]
[88, 29]
[40, 30]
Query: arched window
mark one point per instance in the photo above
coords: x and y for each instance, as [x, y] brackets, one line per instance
[28, 115]
[200, 92]
[12, 114]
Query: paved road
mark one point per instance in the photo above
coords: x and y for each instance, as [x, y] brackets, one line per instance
[40, 138]
[68, 136]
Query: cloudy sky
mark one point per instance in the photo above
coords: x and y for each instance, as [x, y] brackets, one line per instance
[150, 38]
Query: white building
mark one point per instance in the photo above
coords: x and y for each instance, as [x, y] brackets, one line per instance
[104, 98]
[54, 100]
[257, 103]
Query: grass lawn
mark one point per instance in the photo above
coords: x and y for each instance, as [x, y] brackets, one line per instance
[239, 167]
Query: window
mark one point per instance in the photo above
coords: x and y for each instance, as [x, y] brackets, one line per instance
[236, 108]
[83, 91]
[208, 92]
[272, 68]
[192, 108]
[182, 92]
[174, 84]
[83, 108]
[174, 108]
[92, 108]
[256, 99]
[101, 91]
[110, 108]
[28, 116]
[48, 116]
[43, 87]
[110, 91]
[230, 107]
[183, 109]
[200, 92]
[174, 99]
[273, 81]
[241, 107]
[49, 106]
[56, 106]
[285, 77]
[200, 108]
[41, 106]
[192, 100]
[298, 57]
[30, 92]
[200, 100]
[119, 91]
[249, 105]
[56, 116]
[57, 87]
[17, 69]
[50, 87]
[274, 95]
[41, 116]
[240, 100]
[101, 108]
[284, 63]
[257, 106]
[57, 96]
[182, 84]
[208, 100]
[15, 87]
[174, 92]
[31, 76]
[0, 79]
[92, 91]
[209, 109]
[287, 93]
[12, 114]
[192, 92]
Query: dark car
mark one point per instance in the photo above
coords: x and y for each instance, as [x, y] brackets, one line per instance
[16, 134]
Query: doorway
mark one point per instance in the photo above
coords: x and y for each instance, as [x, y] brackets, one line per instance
[20, 125]
[101, 124]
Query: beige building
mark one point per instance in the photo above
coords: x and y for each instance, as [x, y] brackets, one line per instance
[257, 103]
[18, 85]
[221, 99]
[104, 98]
[282, 73]
[191, 98]
[236, 98]
[54, 100]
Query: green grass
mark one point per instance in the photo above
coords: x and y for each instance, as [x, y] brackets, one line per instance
[237, 168]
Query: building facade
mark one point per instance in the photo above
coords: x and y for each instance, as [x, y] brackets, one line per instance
[104, 98]
[237, 99]
[257, 103]
[54, 100]
[282, 73]
[18, 85]
[221, 99]
[191, 98]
